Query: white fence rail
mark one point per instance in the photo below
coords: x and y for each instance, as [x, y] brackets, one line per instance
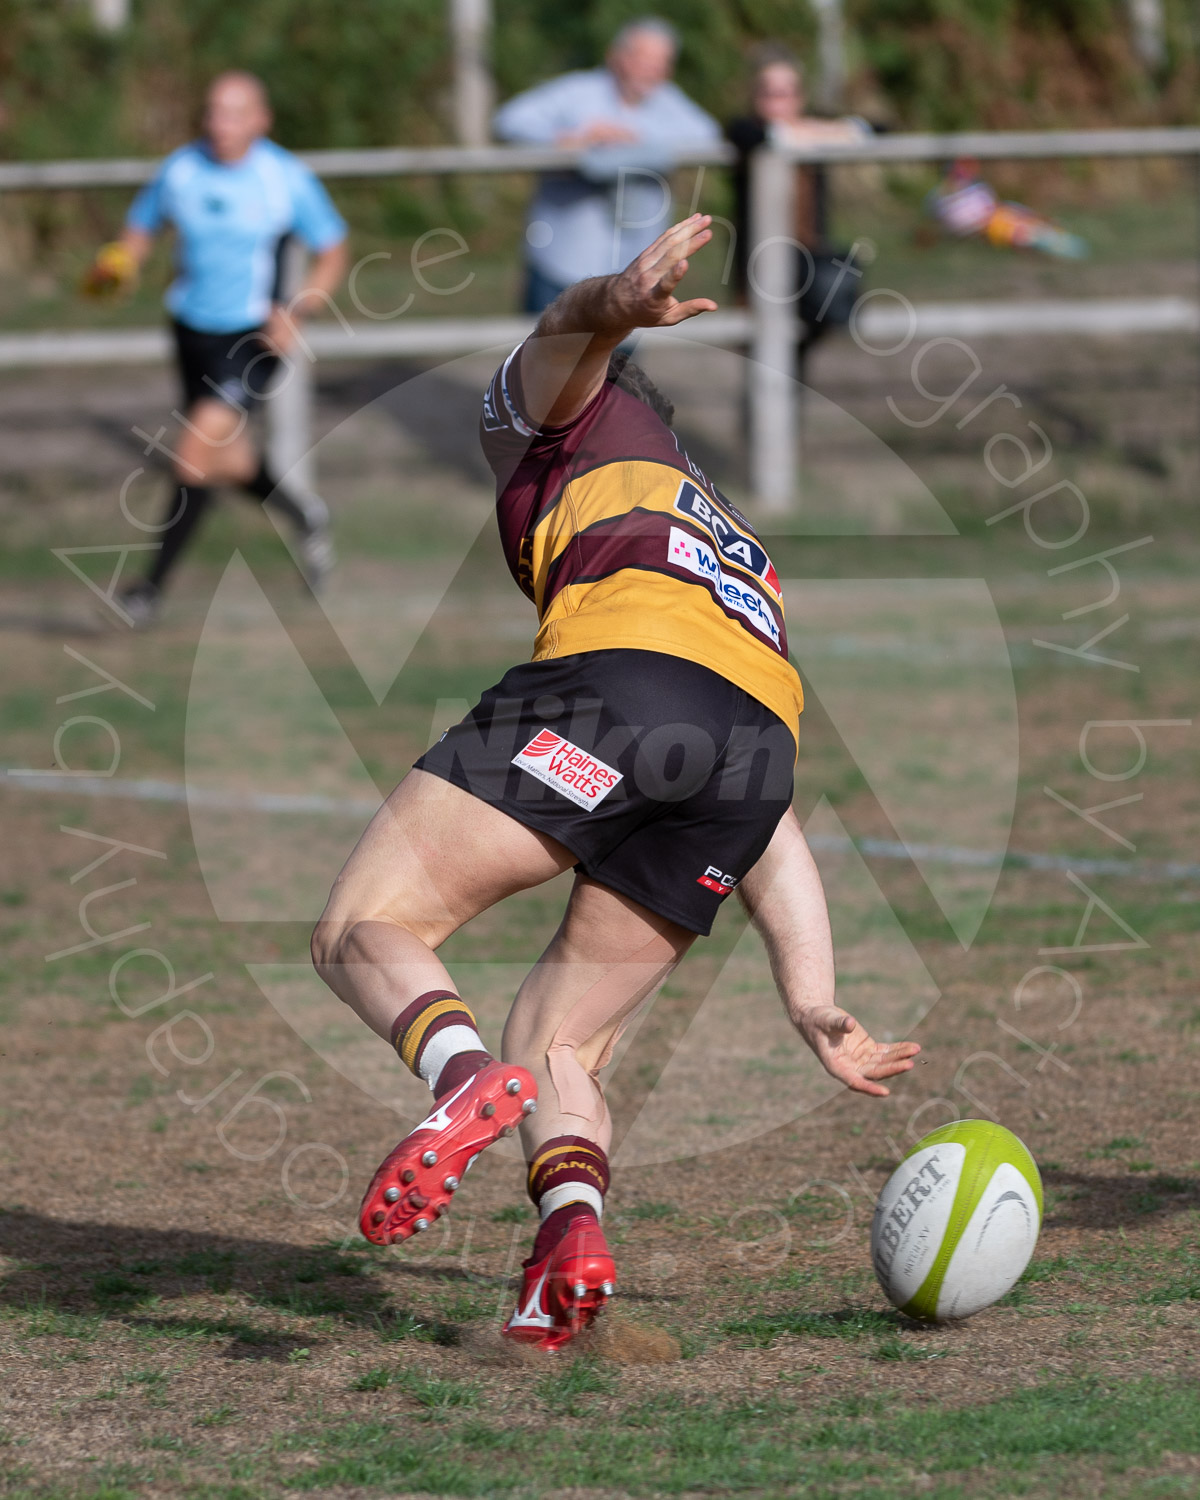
[1097, 316]
[768, 328]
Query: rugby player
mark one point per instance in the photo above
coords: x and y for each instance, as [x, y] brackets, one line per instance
[649, 745]
[233, 198]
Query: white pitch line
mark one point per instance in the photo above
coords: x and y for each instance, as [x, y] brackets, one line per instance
[147, 790]
[988, 859]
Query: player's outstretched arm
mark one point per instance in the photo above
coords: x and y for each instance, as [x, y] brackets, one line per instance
[564, 363]
[786, 902]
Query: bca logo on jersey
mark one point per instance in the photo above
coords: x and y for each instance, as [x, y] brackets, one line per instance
[733, 545]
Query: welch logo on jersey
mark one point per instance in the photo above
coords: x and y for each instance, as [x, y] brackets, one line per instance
[687, 551]
[733, 545]
[578, 776]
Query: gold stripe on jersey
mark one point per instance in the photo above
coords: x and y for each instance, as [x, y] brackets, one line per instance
[641, 607]
[649, 611]
[637, 484]
[603, 494]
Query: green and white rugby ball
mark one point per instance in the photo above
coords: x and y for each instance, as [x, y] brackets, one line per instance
[956, 1222]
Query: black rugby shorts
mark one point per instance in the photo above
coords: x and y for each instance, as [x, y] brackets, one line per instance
[235, 368]
[665, 780]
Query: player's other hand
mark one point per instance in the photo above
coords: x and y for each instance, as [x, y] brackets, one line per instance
[598, 133]
[114, 271]
[645, 290]
[849, 1052]
[280, 333]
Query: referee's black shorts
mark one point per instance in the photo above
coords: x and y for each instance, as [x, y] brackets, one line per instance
[236, 368]
[664, 779]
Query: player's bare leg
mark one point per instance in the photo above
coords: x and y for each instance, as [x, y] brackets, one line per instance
[213, 448]
[608, 955]
[216, 444]
[432, 858]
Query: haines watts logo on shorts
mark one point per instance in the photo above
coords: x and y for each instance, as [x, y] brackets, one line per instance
[580, 777]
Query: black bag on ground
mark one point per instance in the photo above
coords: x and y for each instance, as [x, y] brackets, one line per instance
[832, 285]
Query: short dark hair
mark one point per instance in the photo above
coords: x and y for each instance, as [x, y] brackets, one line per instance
[630, 376]
[771, 54]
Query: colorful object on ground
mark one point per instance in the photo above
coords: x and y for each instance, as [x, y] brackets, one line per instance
[113, 271]
[965, 206]
[957, 1221]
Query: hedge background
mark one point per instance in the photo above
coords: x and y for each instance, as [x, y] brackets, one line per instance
[376, 72]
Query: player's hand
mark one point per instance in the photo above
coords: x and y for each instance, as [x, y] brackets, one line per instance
[644, 292]
[598, 133]
[849, 1052]
[279, 332]
[114, 271]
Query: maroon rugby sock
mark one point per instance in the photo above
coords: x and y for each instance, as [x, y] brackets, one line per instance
[568, 1179]
[437, 1038]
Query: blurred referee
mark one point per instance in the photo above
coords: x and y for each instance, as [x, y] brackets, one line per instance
[233, 198]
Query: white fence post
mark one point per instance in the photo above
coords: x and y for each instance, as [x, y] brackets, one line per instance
[1149, 25]
[471, 21]
[110, 15]
[771, 278]
[289, 406]
[831, 53]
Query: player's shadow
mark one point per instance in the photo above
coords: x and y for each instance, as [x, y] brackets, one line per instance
[1094, 1200]
[70, 1278]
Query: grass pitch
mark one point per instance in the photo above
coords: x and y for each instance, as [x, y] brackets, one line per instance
[184, 1309]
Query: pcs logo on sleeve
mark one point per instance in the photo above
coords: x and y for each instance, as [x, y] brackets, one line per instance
[733, 545]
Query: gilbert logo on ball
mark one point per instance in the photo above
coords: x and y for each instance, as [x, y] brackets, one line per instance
[956, 1222]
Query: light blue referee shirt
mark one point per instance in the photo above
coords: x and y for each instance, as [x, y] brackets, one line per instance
[594, 221]
[231, 218]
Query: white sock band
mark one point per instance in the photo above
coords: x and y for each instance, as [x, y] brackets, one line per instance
[439, 1049]
[571, 1192]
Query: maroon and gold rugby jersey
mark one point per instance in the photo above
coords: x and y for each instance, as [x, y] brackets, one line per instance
[621, 541]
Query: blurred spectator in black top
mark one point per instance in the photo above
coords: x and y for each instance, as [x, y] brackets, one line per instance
[779, 113]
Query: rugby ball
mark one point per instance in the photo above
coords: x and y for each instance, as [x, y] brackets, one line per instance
[956, 1222]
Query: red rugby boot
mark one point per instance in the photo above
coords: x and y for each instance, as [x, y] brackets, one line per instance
[564, 1291]
[415, 1182]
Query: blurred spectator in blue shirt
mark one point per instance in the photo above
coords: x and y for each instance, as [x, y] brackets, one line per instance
[629, 118]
